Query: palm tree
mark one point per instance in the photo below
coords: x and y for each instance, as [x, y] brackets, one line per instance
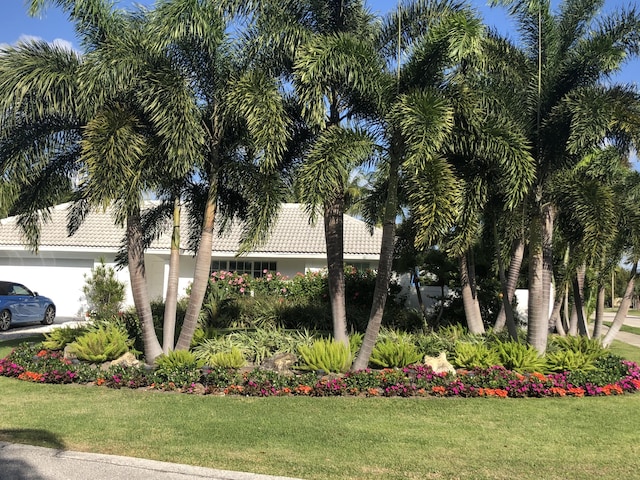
[558, 71]
[322, 50]
[415, 118]
[136, 80]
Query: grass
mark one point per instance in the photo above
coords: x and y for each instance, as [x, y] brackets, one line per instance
[626, 328]
[337, 438]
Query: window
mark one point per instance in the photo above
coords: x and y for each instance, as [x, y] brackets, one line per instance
[219, 266]
[256, 269]
[360, 266]
[259, 268]
[240, 267]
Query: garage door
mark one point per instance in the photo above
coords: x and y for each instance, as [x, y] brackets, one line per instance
[59, 279]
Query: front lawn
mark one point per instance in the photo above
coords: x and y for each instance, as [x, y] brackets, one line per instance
[336, 438]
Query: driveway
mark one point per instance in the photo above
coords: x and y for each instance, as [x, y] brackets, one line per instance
[22, 331]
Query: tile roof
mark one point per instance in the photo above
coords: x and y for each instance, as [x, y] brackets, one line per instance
[291, 235]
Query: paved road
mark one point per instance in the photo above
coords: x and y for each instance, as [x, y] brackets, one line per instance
[25, 462]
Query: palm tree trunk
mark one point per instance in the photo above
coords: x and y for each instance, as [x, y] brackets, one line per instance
[508, 284]
[555, 318]
[597, 326]
[578, 299]
[540, 272]
[135, 256]
[334, 236]
[201, 273]
[469, 300]
[380, 292]
[171, 298]
[621, 314]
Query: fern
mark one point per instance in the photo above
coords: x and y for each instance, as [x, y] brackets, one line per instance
[326, 355]
[390, 354]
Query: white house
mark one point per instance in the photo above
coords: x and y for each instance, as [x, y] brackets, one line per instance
[58, 270]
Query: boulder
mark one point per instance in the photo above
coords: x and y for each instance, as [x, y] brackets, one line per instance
[440, 363]
[281, 362]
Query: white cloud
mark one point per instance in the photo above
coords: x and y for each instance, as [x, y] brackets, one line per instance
[58, 42]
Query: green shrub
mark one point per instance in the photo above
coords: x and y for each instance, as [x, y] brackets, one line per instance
[474, 355]
[104, 292]
[519, 357]
[230, 359]
[59, 338]
[179, 367]
[326, 355]
[569, 360]
[392, 354]
[355, 342]
[591, 347]
[102, 344]
[432, 344]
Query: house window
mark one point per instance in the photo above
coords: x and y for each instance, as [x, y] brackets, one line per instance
[256, 269]
[219, 266]
[240, 267]
[259, 268]
[360, 266]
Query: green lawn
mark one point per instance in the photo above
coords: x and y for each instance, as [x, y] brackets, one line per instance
[337, 438]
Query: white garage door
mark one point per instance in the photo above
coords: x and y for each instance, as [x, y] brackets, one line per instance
[59, 279]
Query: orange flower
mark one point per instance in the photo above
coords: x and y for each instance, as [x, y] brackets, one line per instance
[30, 376]
[577, 391]
[501, 393]
[560, 392]
[41, 353]
[303, 389]
[372, 392]
[100, 381]
[438, 390]
[539, 376]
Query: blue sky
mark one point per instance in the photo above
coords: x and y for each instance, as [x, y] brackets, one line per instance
[53, 26]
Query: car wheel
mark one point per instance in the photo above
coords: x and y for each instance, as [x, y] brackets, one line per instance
[5, 320]
[49, 315]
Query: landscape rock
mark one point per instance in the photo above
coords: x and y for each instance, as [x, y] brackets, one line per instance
[440, 363]
[281, 362]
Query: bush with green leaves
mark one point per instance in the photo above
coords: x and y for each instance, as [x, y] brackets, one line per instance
[102, 344]
[105, 294]
[231, 359]
[519, 357]
[180, 367]
[471, 355]
[394, 354]
[326, 355]
[591, 347]
[59, 338]
[570, 361]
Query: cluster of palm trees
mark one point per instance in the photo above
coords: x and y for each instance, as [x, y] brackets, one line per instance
[225, 108]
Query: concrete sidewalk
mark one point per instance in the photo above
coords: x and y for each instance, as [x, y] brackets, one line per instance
[26, 462]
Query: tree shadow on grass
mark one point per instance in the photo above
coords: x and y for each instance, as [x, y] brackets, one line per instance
[30, 436]
[19, 468]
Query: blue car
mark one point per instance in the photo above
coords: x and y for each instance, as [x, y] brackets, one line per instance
[18, 304]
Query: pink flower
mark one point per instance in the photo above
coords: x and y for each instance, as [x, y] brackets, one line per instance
[242, 290]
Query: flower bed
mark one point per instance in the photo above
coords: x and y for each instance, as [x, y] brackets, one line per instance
[612, 376]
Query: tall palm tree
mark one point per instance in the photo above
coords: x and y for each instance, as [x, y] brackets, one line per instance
[141, 74]
[557, 69]
[322, 51]
[415, 118]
